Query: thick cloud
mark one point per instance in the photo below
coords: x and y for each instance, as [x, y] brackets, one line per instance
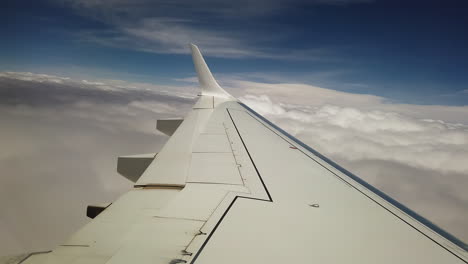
[60, 139]
[355, 134]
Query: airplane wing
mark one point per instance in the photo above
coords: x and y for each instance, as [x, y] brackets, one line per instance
[231, 187]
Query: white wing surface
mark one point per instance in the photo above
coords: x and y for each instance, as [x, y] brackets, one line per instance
[231, 187]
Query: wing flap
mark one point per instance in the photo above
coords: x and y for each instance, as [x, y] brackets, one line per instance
[172, 163]
[133, 166]
[168, 126]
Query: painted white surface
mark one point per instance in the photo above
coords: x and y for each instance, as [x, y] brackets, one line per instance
[197, 201]
[204, 102]
[207, 82]
[171, 164]
[214, 168]
[212, 143]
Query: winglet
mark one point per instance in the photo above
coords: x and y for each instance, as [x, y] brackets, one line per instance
[208, 84]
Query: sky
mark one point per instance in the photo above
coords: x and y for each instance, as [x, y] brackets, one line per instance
[406, 51]
[377, 86]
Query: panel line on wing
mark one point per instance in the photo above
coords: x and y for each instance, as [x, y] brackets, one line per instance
[220, 220]
[234, 156]
[250, 157]
[237, 196]
[219, 183]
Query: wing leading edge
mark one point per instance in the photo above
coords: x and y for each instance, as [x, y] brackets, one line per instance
[231, 187]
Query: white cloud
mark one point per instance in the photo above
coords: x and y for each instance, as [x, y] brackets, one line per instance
[119, 86]
[355, 134]
[168, 27]
[292, 94]
[157, 35]
[28, 76]
[92, 83]
[62, 139]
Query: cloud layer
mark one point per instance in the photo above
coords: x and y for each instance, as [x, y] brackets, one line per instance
[60, 140]
[354, 134]
[61, 137]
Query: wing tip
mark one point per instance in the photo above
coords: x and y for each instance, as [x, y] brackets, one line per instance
[209, 85]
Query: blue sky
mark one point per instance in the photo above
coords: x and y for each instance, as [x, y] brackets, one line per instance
[407, 52]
